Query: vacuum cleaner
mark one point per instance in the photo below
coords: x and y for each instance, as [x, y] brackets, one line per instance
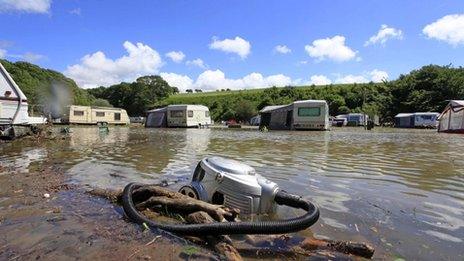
[227, 182]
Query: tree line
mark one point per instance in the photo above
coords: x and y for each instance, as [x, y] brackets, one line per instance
[50, 92]
[136, 97]
[47, 91]
[425, 89]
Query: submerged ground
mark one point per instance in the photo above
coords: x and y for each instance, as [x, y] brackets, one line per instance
[400, 190]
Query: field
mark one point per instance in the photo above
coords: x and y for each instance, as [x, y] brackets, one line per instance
[188, 96]
[244, 104]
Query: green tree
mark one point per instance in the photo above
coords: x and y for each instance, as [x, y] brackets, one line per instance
[244, 110]
[47, 91]
[343, 110]
[101, 103]
[137, 97]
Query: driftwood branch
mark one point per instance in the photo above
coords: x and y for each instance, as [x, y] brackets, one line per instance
[111, 195]
[179, 203]
[222, 244]
[309, 246]
[152, 197]
[347, 247]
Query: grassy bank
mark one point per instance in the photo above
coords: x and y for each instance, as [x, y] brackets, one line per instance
[242, 104]
[422, 90]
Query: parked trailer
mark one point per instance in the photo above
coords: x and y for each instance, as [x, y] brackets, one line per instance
[354, 119]
[93, 115]
[311, 115]
[182, 115]
[416, 120]
[300, 115]
[338, 122]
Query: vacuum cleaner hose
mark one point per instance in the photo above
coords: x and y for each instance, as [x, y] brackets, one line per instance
[229, 228]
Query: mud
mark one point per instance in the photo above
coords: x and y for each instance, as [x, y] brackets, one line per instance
[44, 218]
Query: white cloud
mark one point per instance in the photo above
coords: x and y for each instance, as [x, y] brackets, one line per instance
[197, 62]
[27, 6]
[276, 80]
[213, 80]
[449, 28]
[176, 56]
[350, 78]
[331, 48]
[182, 82]
[385, 33]
[378, 76]
[75, 11]
[282, 49]
[320, 80]
[374, 76]
[30, 57]
[239, 46]
[96, 69]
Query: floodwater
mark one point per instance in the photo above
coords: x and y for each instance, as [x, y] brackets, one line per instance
[400, 190]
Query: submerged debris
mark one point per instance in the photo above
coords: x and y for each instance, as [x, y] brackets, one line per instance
[159, 203]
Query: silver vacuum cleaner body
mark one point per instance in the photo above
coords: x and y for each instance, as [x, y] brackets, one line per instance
[233, 184]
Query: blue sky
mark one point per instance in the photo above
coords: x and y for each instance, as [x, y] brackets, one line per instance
[232, 44]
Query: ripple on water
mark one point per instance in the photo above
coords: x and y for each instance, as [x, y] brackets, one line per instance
[407, 183]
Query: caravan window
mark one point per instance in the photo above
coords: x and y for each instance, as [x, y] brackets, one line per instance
[207, 114]
[117, 116]
[309, 111]
[78, 113]
[354, 118]
[100, 114]
[177, 114]
[426, 117]
[190, 114]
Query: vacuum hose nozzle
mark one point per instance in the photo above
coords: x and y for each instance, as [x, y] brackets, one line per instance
[229, 228]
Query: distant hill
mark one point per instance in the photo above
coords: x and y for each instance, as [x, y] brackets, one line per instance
[422, 90]
[342, 98]
[45, 89]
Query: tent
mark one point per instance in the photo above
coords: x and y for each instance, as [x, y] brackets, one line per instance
[452, 118]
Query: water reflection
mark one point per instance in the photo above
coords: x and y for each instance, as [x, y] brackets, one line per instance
[124, 155]
[399, 189]
[20, 159]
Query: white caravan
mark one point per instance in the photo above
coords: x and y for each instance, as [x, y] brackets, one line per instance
[188, 116]
[311, 115]
[13, 104]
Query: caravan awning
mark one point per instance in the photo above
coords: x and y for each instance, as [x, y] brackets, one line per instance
[272, 108]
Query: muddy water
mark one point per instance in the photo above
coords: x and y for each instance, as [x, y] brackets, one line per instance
[401, 190]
